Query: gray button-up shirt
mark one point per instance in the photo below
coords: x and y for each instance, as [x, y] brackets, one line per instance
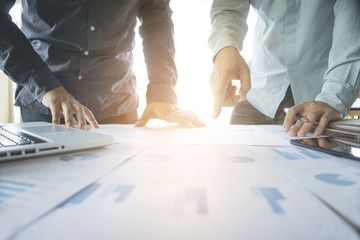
[311, 45]
[86, 47]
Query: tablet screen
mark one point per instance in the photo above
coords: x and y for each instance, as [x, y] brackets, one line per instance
[329, 145]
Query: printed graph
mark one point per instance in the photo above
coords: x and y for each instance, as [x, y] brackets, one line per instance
[80, 197]
[119, 193]
[81, 157]
[109, 192]
[195, 197]
[300, 154]
[273, 196]
[336, 179]
[10, 189]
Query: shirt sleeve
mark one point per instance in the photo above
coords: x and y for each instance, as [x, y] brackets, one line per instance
[342, 78]
[228, 20]
[157, 31]
[18, 59]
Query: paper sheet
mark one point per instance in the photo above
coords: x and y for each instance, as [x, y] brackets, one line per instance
[192, 192]
[278, 130]
[173, 134]
[30, 188]
[335, 180]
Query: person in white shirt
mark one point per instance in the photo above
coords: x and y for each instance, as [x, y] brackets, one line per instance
[306, 57]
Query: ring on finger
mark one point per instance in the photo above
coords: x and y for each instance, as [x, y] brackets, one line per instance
[305, 120]
[299, 122]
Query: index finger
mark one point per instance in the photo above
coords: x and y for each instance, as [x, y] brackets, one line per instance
[245, 81]
[219, 85]
[290, 116]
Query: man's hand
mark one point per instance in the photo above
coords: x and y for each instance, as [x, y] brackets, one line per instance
[312, 112]
[169, 113]
[229, 65]
[60, 101]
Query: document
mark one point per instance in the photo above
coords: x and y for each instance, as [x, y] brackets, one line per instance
[31, 188]
[248, 135]
[279, 131]
[335, 180]
[192, 192]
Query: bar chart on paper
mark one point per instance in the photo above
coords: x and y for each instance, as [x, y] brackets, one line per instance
[300, 154]
[17, 193]
[194, 196]
[20, 196]
[31, 188]
[115, 192]
[273, 196]
[10, 189]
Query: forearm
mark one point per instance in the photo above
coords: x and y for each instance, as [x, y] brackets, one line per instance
[20, 61]
[342, 79]
[157, 31]
[228, 20]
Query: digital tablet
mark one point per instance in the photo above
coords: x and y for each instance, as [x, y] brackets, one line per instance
[329, 145]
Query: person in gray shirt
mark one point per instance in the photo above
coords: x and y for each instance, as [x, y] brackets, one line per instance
[75, 58]
[306, 57]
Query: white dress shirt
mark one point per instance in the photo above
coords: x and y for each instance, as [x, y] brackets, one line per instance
[313, 45]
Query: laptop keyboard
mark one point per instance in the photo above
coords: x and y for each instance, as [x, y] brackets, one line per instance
[13, 137]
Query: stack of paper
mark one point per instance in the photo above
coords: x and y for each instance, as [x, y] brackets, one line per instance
[347, 130]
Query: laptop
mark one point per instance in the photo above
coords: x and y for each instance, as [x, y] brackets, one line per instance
[33, 139]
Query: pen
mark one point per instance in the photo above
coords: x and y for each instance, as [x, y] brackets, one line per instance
[297, 117]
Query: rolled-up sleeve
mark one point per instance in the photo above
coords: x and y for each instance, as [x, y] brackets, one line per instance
[19, 60]
[342, 78]
[228, 20]
[157, 31]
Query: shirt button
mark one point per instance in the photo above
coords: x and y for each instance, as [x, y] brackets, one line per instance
[86, 53]
[80, 77]
[92, 28]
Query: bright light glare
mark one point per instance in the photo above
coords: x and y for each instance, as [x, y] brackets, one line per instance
[193, 59]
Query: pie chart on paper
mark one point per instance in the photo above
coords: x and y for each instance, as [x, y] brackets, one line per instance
[335, 179]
